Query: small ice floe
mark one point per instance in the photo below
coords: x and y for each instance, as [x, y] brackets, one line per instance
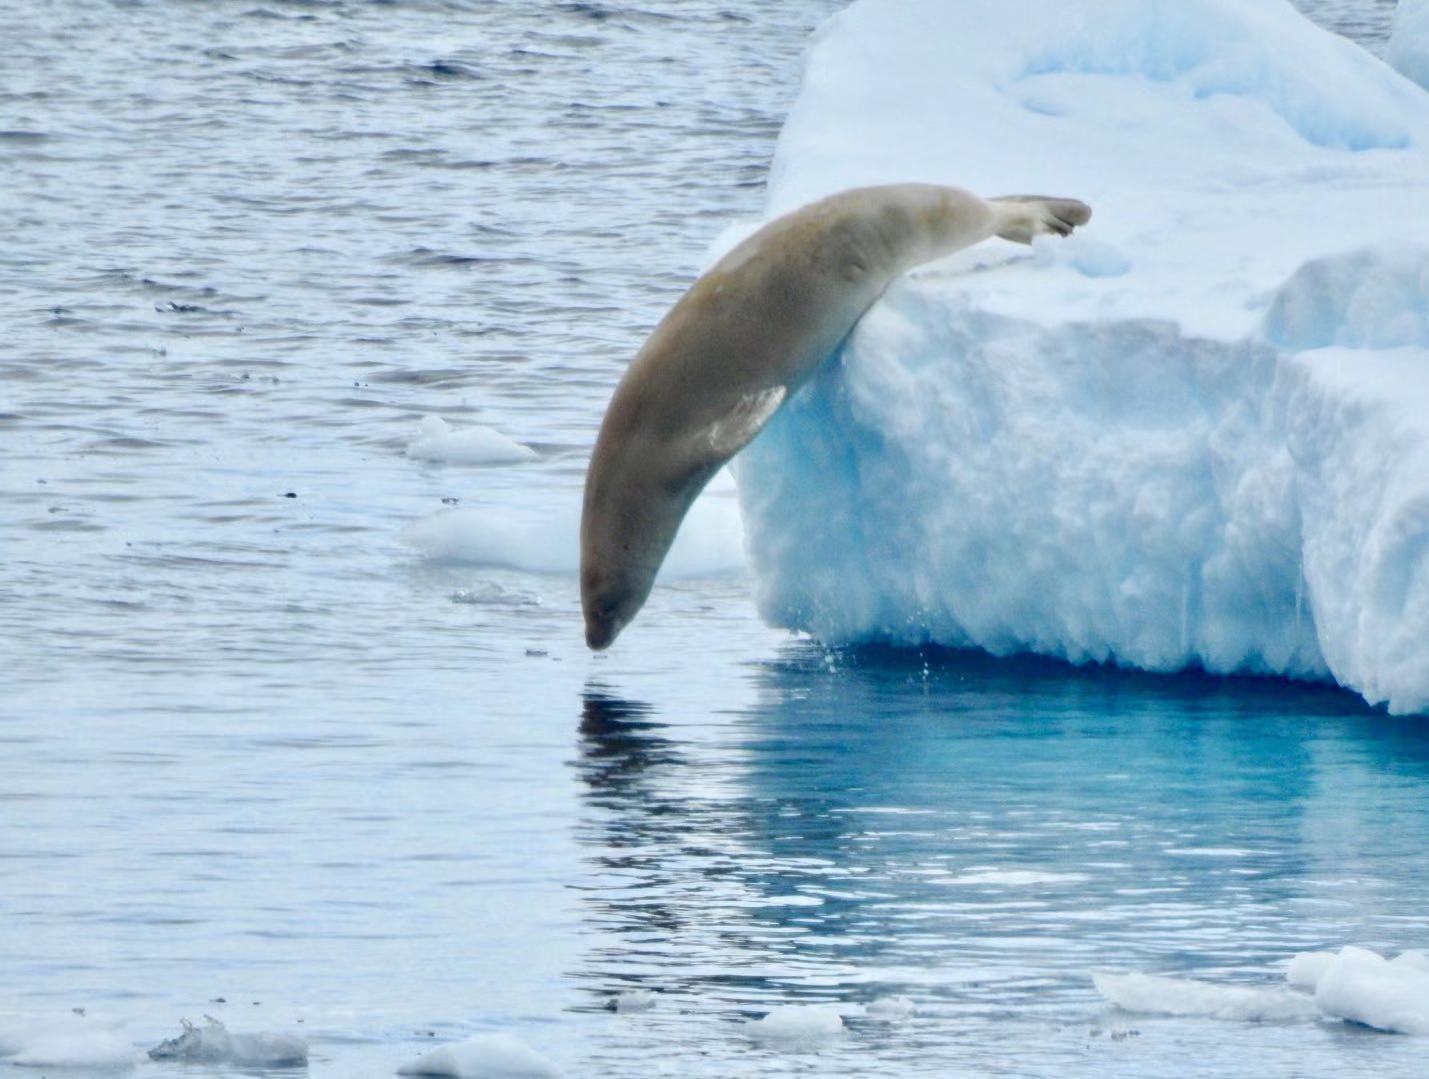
[438, 441]
[890, 1008]
[75, 1041]
[1156, 995]
[710, 542]
[1306, 968]
[799, 1026]
[1364, 987]
[485, 1056]
[491, 594]
[632, 1001]
[214, 1043]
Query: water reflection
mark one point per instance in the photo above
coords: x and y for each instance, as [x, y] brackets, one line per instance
[981, 834]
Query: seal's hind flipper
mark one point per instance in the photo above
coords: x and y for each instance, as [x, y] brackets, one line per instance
[736, 429]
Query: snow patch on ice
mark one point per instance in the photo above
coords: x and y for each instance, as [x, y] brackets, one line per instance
[1194, 436]
[485, 1056]
[438, 441]
[1409, 40]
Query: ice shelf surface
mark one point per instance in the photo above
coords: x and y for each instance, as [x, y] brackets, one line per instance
[1194, 435]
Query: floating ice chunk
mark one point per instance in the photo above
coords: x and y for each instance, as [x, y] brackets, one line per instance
[1409, 40]
[1306, 968]
[1414, 959]
[799, 1026]
[214, 1043]
[1014, 878]
[891, 1008]
[633, 1000]
[709, 543]
[1156, 995]
[91, 1050]
[74, 1040]
[1387, 994]
[1354, 984]
[438, 441]
[491, 594]
[485, 1056]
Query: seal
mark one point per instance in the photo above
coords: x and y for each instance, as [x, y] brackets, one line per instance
[745, 336]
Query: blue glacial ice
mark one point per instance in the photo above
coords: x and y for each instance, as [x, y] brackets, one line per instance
[1196, 435]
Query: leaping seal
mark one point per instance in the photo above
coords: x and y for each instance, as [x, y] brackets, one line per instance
[744, 337]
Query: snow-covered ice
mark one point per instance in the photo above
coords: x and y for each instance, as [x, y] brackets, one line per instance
[1409, 41]
[439, 441]
[1196, 435]
[484, 1056]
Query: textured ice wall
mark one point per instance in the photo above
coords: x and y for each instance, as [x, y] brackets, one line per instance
[1197, 435]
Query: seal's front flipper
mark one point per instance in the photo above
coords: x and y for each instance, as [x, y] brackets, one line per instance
[1022, 217]
[736, 428]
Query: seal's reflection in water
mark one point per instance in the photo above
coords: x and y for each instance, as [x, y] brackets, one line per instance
[981, 833]
[620, 748]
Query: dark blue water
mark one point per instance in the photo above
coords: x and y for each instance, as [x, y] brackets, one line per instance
[980, 835]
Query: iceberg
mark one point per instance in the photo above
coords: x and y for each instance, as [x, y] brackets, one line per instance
[1409, 40]
[1195, 436]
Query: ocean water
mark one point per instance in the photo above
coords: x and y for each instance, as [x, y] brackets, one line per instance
[263, 760]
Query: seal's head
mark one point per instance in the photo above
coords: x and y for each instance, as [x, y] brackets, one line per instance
[626, 531]
[609, 601]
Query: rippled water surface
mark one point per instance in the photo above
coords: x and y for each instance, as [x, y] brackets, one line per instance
[256, 748]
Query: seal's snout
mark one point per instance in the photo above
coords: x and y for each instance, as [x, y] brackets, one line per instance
[1074, 212]
[598, 635]
[602, 626]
